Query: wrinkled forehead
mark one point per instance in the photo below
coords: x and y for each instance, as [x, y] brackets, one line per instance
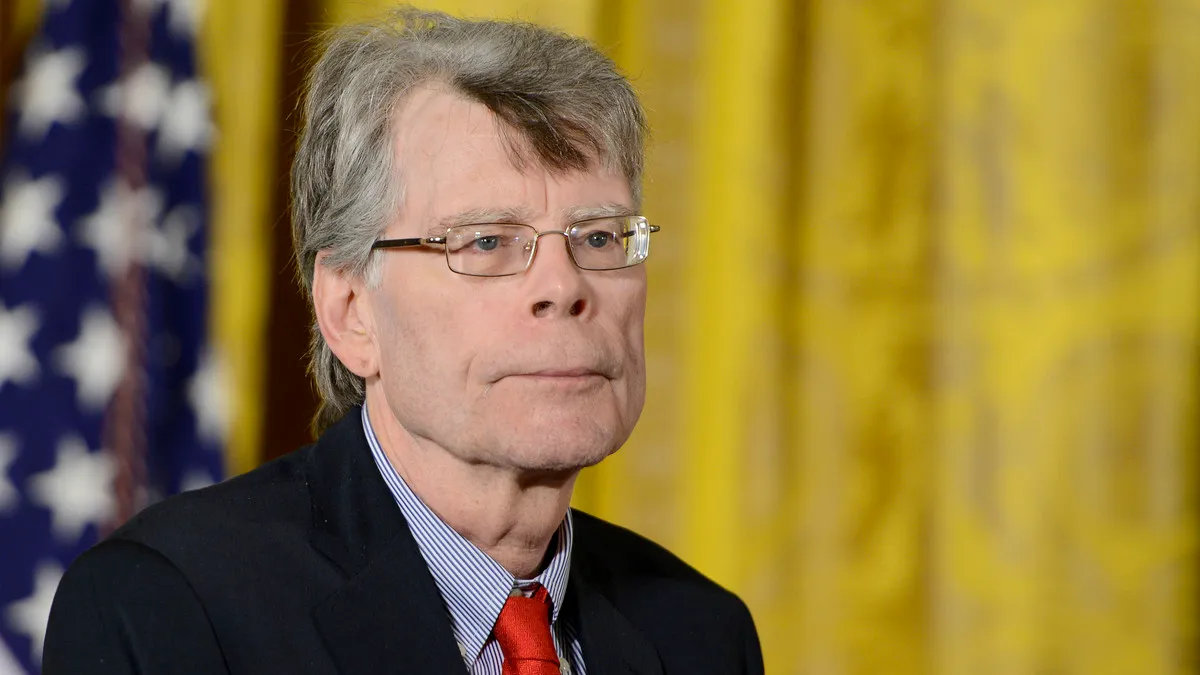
[433, 121]
[435, 112]
[448, 148]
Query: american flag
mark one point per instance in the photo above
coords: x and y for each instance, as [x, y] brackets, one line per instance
[109, 395]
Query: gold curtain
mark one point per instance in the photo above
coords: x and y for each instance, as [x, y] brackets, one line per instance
[922, 331]
[240, 48]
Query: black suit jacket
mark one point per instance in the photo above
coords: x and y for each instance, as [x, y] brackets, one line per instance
[306, 565]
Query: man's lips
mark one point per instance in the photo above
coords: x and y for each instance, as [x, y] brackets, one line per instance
[567, 372]
[558, 374]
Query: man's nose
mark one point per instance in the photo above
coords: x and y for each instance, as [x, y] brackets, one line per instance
[557, 285]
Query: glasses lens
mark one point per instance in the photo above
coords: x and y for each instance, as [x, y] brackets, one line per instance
[491, 250]
[609, 243]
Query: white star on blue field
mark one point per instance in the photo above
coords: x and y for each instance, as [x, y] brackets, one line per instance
[107, 376]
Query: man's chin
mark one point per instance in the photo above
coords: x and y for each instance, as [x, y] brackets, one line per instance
[550, 454]
[556, 459]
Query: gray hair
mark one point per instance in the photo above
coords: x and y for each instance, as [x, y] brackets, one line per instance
[563, 101]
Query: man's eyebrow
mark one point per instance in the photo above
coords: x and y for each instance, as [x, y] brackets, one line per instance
[609, 210]
[481, 215]
[525, 216]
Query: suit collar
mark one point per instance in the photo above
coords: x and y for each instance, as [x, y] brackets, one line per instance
[353, 515]
[612, 644]
[388, 616]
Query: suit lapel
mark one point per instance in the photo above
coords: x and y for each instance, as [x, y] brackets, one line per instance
[389, 618]
[611, 644]
[389, 615]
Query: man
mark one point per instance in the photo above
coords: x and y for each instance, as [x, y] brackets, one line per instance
[466, 224]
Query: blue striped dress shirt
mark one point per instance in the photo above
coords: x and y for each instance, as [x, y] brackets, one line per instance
[474, 585]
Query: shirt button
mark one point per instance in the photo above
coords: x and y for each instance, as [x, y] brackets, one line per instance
[516, 593]
[564, 666]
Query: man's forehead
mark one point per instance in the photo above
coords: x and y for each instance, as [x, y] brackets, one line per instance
[453, 155]
[437, 127]
[434, 119]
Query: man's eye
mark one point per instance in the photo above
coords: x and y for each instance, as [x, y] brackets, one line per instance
[598, 239]
[489, 243]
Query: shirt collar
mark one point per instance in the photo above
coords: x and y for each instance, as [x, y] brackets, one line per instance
[474, 586]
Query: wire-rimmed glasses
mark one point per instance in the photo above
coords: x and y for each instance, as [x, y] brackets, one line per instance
[503, 249]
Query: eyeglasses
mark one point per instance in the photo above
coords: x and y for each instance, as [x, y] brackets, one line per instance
[503, 249]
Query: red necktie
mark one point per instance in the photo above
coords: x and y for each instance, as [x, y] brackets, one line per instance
[523, 631]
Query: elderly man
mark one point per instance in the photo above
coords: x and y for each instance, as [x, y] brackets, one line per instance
[466, 224]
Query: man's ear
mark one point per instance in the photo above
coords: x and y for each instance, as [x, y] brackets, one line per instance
[344, 317]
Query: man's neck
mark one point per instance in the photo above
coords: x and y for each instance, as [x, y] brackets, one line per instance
[507, 516]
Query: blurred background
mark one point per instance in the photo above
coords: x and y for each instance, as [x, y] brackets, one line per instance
[922, 333]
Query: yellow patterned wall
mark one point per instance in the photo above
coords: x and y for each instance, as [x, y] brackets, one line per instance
[923, 329]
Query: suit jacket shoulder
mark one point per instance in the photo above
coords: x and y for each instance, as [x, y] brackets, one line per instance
[215, 580]
[243, 517]
[695, 624]
[303, 565]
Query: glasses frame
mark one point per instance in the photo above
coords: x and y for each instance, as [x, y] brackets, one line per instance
[436, 242]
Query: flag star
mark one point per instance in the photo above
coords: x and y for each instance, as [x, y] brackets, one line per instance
[8, 491]
[148, 7]
[78, 490]
[209, 394]
[27, 221]
[186, 124]
[185, 16]
[195, 479]
[17, 362]
[96, 359]
[30, 615]
[115, 230]
[8, 661]
[167, 246]
[141, 97]
[47, 93]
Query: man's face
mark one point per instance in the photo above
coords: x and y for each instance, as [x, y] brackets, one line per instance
[539, 371]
